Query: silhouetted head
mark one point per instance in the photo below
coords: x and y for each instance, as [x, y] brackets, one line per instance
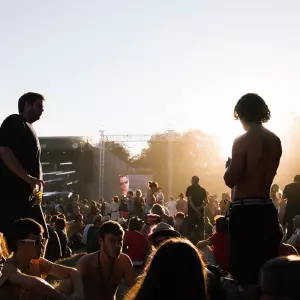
[279, 279]
[176, 270]
[195, 180]
[297, 179]
[31, 106]
[252, 109]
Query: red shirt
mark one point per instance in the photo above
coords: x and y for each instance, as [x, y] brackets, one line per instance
[137, 244]
[220, 249]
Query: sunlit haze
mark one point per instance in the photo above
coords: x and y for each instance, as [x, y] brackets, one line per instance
[144, 66]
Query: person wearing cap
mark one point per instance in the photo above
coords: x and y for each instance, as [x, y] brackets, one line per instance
[197, 200]
[163, 232]
[292, 193]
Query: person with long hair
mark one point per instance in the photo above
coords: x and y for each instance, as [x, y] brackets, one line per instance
[176, 271]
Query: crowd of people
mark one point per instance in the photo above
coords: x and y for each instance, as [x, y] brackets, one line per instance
[243, 246]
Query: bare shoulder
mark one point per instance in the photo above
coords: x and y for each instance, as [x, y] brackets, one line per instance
[240, 140]
[274, 140]
[125, 259]
[87, 259]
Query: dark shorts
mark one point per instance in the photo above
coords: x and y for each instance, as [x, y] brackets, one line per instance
[10, 211]
[254, 238]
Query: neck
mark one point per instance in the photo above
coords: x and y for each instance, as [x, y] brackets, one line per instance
[26, 117]
[104, 258]
[20, 261]
[253, 126]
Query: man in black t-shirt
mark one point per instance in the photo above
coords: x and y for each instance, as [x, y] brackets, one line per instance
[197, 200]
[292, 193]
[20, 167]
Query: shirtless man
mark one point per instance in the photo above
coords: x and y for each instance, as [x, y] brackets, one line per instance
[254, 226]
[103, 271]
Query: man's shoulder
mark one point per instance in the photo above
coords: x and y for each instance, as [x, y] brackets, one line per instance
[87, 258]
[12, 119]
[124, 259]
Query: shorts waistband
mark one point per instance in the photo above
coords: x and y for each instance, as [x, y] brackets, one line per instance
[252, 201]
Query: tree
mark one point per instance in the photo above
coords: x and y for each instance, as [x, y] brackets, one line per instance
[118, 149]
[194, 153]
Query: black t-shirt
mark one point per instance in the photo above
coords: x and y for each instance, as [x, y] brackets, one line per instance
[20, 137]
[198, 195]
[292, 193]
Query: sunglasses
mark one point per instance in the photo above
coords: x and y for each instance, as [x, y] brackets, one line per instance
[123, 182]
[36, 243]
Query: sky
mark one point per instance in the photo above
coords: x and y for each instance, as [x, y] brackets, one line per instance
[137, 66]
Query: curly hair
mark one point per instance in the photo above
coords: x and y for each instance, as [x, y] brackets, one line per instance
[251, 108]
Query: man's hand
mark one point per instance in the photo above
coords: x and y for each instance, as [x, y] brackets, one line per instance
[33, 182]
[228, 162]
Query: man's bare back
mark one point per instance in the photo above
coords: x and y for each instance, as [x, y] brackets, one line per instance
[255, 159]
[103, 283]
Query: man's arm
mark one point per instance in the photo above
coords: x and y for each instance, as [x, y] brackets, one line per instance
[204, 243]
[12, 163]
[9, 136]
[237, 164]
[38, 286]
[63, 272]
[129, 273]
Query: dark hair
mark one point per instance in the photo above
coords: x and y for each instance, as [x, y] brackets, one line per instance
[135, 223]
[110, 227]
[158, 209]
[53, 219]
[62, 216]
[251, 108]
[222, 225]
[167, 261]
[60, 223]
[116, 199]
[79, 216]
[130, 193]
[20, 230]
[29, 98]
[273, 280]
[152, 184]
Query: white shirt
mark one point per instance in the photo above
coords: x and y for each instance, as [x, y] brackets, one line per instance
[85, 233]
[171, 205]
